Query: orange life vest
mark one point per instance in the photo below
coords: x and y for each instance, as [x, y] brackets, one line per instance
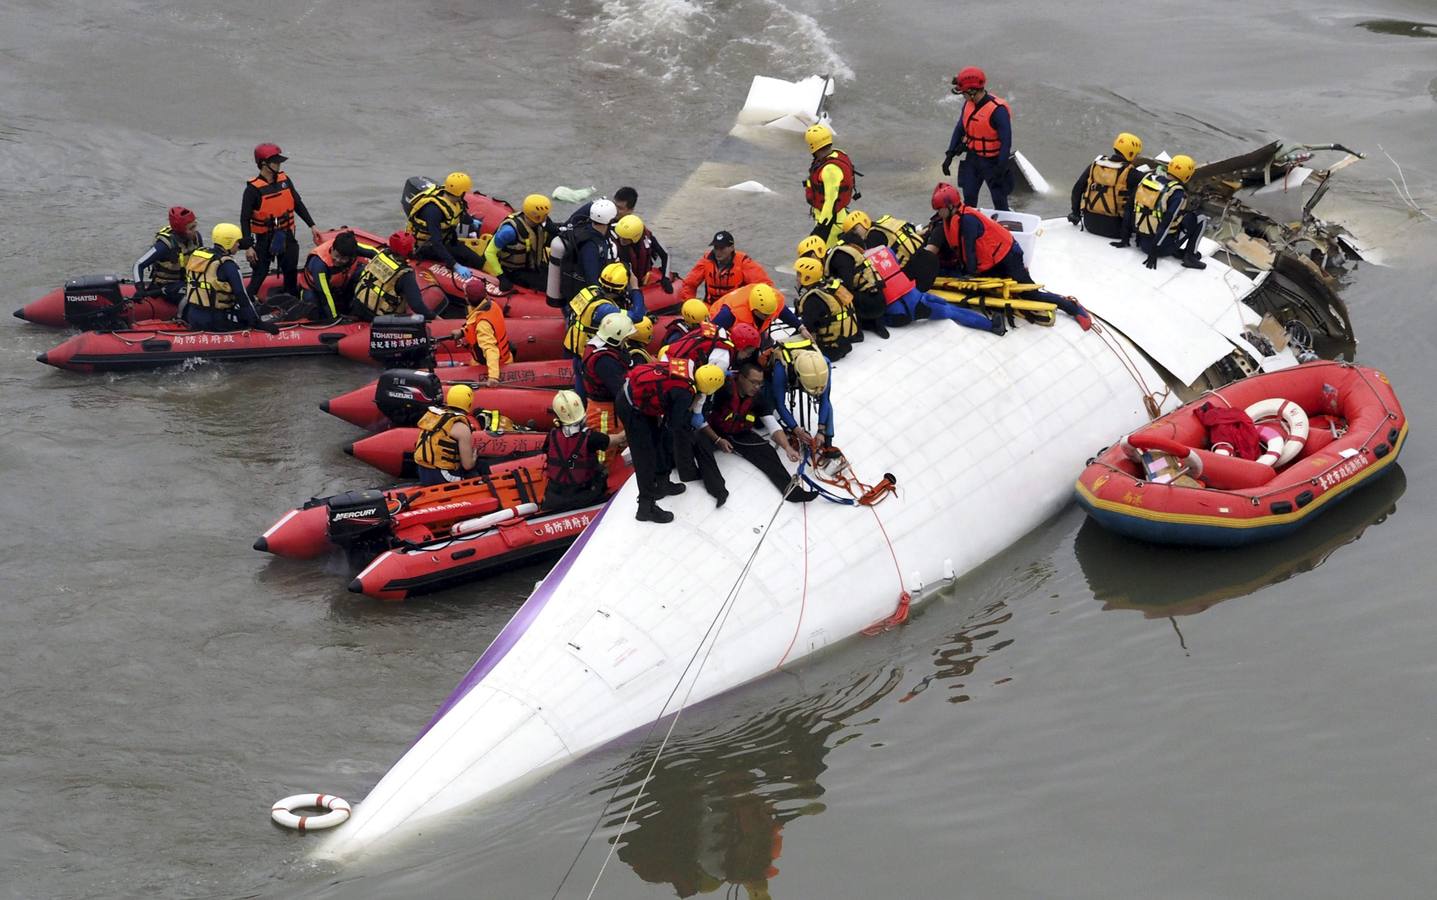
[978, 127]
[736, 302]
[276, 205]
[337, 277]
[495, 317]
[992, 245]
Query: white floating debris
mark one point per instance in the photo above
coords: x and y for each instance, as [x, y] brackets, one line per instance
[750, 187]
[572, 195]
[790, 105]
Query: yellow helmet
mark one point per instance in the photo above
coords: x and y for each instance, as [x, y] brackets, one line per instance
[458, 183]
[629, 228]
[1128, 145]
[460, 396]
[537, 207]
[763, 299]
[813, 245]
[568, 407]
[643, 332]
[810, 271]
[614, 277]
[818, 137]
[694, 311]
[812, 371]
[855, 218]
[708, 378]
[225, 235]
[1182, 167]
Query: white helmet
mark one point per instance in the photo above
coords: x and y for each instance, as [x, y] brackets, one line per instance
[602, 211]
[615, 329]
[568, 407]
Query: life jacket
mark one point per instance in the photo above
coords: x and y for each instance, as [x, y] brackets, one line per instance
[736, 302]
[1150, 198]
[639, 256]
[992, 245]
[1107, 193]
[376, 289]
[572, 279]
[782, 355]
[530, 252]
[275, 209]
[172, 271]
[895, 281]
[677, 329]
[698, 344]
[492, 420]
[813, 187]
[568, 461]
[437, 448]
[451, 209]
[650, 383]
[203, 286]
[864, 279]
[838, 323]
[731, 413]
[900, 237]
[337, 277]
[594, 387]
[638, 355]
[581, 310]
[495, 317]
[721, 280]
[978, 127]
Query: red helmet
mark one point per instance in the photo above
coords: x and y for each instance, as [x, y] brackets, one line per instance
[946, 195]
[265, 152]
[180, 219]
[969, 78]
[401, 243]
[744, 336]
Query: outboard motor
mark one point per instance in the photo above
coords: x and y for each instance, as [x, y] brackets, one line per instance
[357, 517]
[416, 185]
[94, 302]
[401, 342]
[403, 395]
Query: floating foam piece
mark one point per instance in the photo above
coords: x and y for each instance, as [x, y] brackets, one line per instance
[790, 105]
[750, 187]
[572, 195]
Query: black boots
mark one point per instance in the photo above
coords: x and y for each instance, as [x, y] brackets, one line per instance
[1194, 261]
[998, 326]
[650, 512]
[671, 488]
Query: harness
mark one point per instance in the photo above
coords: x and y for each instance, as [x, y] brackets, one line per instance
[838, 323]
[567, 460]
[581, 310]
[698, 344]
[865, 279]
[451, 211]
[203, 286]
[1149, 201]
[901, 237]
[437, 448]
[813, 186]
[530, 252]
[375, 289]
[1107, 193]
[166, 271]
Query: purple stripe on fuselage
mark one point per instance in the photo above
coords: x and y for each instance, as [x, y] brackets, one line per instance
[517, 625]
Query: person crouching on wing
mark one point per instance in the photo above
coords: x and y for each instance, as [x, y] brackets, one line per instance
[574, 471]
[739, 409]
[1104, 192]
[656, 406]
[1163, 216]
[795, 367]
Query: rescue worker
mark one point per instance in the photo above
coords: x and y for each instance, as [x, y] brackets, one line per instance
[832, 183]
[710, 344]
[487, 337]
[968, 244]
[387, 283]
[626, 199]
[214, 292]
[847, 263]
[1160, 217]
[589, 307]
[657, 406]
[518, 253]
[267, 213]
[984, 132]
[445, 448]
[1103, 193]
[579, 253]
[327, 279]
[814, 247]
[437, 215]
[691, 313]
[721, 270]
[604, 368]
[826, 308]
[907, 304]
[732, 423]
[638, 342]
[795, 367]
[758, 306]
[166, 258]
[898, 235]
[642, 252]
[574, 474]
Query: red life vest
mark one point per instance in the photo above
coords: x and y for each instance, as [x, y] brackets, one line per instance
[978, 127]
[732, 414]
[992, 245]
[699, 343]
[337, 277]
[568, 462]
[276, 202]
[813, 185]
[639, 256]
[896, 282]
[593, 385]
[650, 383]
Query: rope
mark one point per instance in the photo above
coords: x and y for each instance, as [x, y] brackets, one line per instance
[1152, 401]
[714, 628]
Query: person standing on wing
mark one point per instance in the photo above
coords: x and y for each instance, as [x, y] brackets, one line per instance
[984, 132]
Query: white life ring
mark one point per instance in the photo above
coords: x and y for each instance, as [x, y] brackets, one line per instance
[1294, 419]
[338, 811]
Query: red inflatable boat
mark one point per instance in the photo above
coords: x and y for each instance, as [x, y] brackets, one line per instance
[1323, 429]
[392, 451]
[399, 397]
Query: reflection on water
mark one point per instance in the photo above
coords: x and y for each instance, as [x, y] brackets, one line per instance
[1400, 27]
[1176, 581]
[958, 656]
[712, 815]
